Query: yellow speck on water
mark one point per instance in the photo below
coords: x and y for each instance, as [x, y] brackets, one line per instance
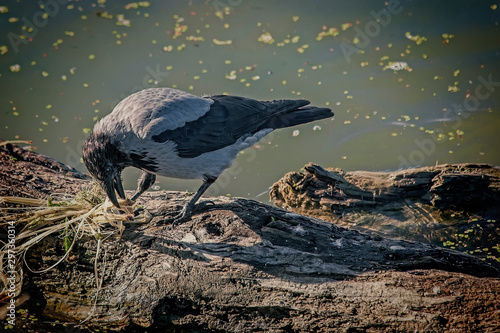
[15, 68]
[283, 82]
[227, 62]
[48, 106]
[45, 74]
[86, 85]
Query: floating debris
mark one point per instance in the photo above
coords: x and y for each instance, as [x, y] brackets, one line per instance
[195, 38]
[397, 66]
[302, 48]
[447, 37]
[416, 38]
[231, 75]
[222, 42]
[179, 28]
[121, 20]
[327, 32]
[295, 132]
[346, 26]
[136, 5]
[266, 38]
[15, 68]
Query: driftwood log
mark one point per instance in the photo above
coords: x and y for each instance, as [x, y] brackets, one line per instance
[242, 266]
[426, 204]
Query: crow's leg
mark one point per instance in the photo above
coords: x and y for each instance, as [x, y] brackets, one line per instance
[188, 209]
[144, 182]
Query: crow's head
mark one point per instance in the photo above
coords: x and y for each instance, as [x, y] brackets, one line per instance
[105, 162]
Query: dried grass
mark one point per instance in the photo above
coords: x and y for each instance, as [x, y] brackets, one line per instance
[71, 217]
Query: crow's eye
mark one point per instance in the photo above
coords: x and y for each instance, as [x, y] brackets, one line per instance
[108, 170]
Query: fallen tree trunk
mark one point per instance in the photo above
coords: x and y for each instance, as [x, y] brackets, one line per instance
[454, 204]
[242, 266]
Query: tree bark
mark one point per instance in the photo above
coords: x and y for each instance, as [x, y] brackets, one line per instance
[242, 266]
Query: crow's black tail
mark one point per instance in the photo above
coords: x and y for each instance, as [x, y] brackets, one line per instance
[287, 113]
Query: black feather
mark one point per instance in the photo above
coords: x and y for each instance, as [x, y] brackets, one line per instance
[232, 117]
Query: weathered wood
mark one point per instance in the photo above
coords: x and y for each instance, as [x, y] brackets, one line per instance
[242, 266]
[470, 187]
[416, 202]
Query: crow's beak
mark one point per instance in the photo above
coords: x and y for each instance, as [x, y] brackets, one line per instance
[109, 186]
[119, 186]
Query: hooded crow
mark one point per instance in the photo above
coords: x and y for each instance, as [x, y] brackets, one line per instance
[172, 133]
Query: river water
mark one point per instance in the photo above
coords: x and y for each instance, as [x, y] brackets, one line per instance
[411, 82]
